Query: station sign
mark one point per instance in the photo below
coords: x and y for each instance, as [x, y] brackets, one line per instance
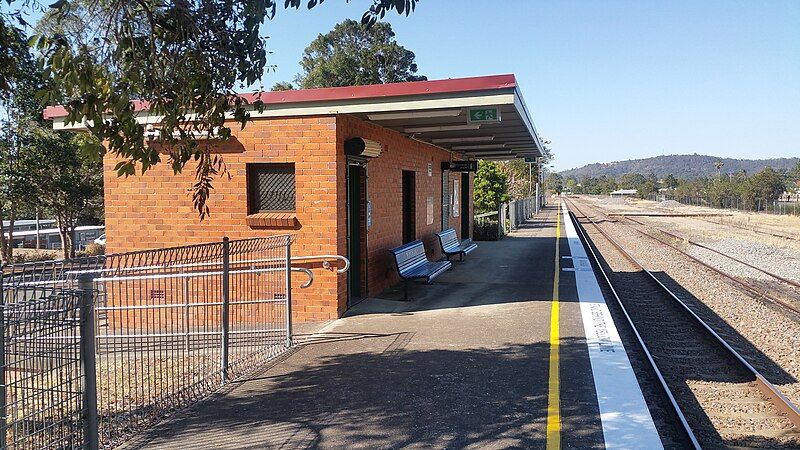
[483, 115]
[531, 159]
[460, 166]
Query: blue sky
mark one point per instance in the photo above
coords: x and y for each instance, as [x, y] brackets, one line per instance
[607, 80]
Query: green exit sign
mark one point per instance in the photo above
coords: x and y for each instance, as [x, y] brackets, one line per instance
[484, 115]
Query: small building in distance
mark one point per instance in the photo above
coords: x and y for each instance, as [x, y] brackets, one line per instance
[624, 193]
[29, 224]
[49, 239]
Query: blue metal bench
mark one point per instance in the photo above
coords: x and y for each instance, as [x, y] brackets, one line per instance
[412, 264]
[451, 246]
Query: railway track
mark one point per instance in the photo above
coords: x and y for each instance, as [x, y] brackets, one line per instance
[718, 397]
[751, 229]
[787, 300]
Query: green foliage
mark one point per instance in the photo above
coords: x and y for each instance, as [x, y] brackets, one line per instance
[352, 54]
[282, 86]
[554, 183]
[491, 188]
[646, 189]
[748, 192]
[521, 177]
[12, 50]
[597, 185]
[631, 181]
[571, 186]
[68, 182]
[185, 59]
[793, 176]
[670, 181]
[22, 112]
[688, 167]
[767, 185]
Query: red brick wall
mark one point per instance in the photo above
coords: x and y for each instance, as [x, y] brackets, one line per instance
[384, 190]
[155, 210]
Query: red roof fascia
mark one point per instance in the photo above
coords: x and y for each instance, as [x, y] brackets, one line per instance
[452, 85]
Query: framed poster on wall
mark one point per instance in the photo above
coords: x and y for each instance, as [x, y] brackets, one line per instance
[456, 198]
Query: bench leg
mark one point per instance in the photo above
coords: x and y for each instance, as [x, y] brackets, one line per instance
[405, 291]
[461, 256]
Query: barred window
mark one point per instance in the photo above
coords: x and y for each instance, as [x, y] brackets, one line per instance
[270, 187]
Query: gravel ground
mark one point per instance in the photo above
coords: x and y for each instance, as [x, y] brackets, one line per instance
[769, 339]
[671, 204]
[782, 262]
[709, 232]
[718, 227]
[709, 387]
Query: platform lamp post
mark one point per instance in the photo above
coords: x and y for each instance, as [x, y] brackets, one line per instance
[538, 175]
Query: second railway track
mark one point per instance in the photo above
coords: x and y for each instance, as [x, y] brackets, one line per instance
[720, 398]
[785, 298]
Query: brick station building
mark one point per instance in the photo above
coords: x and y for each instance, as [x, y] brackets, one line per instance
[353, 171]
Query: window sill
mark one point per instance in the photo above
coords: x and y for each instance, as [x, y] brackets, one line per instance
[272, 220]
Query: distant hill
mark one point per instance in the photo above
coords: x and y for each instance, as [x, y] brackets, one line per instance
[681, 166]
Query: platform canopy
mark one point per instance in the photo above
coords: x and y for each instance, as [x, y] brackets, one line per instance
[482, 117]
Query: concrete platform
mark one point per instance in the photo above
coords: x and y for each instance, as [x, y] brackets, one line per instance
[463, 365]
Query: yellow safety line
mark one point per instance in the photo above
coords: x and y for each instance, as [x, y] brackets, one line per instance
[554, 383]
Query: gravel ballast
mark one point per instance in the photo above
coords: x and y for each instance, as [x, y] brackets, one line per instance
[768, 338]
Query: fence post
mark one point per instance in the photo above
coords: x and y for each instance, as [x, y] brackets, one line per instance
[87, 341]
[226, 260]
[288, 291]
[499, 222]
[186, 314]
[512, 214]
[2, 361]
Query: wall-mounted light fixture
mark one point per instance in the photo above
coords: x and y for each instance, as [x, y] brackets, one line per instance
[362, 147]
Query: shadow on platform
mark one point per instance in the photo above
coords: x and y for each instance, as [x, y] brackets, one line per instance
[480, 398]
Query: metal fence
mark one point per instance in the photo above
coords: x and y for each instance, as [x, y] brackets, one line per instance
[41, 374]
[520, 211]
[508, 217]
[98, 349]
[787, 205]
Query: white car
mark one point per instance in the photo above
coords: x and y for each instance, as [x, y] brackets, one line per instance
[101, 240]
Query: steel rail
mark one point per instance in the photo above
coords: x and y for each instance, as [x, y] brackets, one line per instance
[325, 259]
[640, 340]
[308, 272]
[697, 244]
[179, 334]
[765, 386]
[747, 287]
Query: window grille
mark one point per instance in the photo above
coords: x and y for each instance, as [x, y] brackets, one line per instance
[271, 187]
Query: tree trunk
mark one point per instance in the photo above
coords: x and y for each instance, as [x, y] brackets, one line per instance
[3, 243]
[62, 232]
[72, 242]
[12, 217]
[38, 231]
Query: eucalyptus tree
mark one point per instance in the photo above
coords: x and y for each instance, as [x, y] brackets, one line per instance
[352, 55]
[184, 59]
[18, 105]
